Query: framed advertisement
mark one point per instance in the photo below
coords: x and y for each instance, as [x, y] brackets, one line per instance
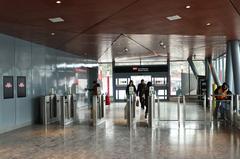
[21, 86]
[8, 87]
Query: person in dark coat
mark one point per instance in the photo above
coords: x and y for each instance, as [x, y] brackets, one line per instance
[149, 84]
[141, 92]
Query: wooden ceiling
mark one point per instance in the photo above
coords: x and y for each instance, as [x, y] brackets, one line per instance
[106, 29]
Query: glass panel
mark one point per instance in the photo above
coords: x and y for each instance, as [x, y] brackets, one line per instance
[161, 92]
[176, 68]
[122, 81]
[200, 66]
[159, 81]
[122, 94]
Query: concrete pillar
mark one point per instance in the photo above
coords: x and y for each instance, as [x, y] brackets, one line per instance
[236, 64]
[208, 77]
[191, 64]
[213, 71]
[229, 67]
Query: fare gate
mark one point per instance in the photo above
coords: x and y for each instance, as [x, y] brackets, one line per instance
[130, 111]
[237, 112]
[55, 108]
[49, 109]
[98, 109]
[68, 110]
[181, 110]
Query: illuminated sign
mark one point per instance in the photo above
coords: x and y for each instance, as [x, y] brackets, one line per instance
[8, 87]
[21, 86]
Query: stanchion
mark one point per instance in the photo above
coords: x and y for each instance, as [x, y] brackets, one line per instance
[211, 109]
[151, 105]
[178, 110]
[231, 110]
[184, 110]
[238, 108]
[205, 108]
[158, 103]
[130, 117]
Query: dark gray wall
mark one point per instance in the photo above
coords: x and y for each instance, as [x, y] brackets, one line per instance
[185, 83]
[39, 64]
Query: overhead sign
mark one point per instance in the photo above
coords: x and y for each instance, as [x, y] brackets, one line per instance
[139, 69]
[21, 86]
[8, 87]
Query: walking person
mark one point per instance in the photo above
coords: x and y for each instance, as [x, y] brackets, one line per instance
[130, 85]
[141, 92]
[149, 84]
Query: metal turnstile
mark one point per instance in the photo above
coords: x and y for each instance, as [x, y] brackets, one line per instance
[130, 111]
[49, 109]
[237, 112]
[151, 108]
[98, 110]
[68, 110]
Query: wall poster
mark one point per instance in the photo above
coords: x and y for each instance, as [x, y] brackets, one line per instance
[8, 91]
[21, 86]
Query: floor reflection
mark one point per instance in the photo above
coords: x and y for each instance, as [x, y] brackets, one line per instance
[114, 140]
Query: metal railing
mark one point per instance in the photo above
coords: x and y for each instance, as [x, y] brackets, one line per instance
[228, 109]
[199, 103]
[157, 116]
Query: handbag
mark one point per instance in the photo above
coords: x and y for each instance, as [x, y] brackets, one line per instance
[137, 102]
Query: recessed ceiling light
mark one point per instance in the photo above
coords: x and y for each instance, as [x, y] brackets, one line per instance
[161, 43]
[175, 17]
[208, 24]
[56, 20]
[52, 34]
[58, 2]
[188, 6]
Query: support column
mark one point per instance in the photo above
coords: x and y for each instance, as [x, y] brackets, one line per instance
[214, 74]
[236, 64]
[208, 77]
[191, 64]
[229, 67]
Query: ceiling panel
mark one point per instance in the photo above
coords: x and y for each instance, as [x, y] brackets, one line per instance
[104, 29]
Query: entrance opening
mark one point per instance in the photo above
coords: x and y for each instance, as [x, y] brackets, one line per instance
[137, 79]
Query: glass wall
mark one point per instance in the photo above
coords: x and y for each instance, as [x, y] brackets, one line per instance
[220, 66]
[105, 72]
[182, 79]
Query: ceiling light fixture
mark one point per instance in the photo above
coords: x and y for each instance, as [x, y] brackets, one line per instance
[188, 7]
[174, 17]
[161, 43]
[208, 24]
[58, 2]
[52, 34]
[56, 20]
[125, 50]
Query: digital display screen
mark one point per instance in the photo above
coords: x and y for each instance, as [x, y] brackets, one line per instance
[21, 86]
[8, 87]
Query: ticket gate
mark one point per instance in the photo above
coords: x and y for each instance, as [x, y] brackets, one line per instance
[98, 109]
[68, 110]
[151, 108]
[130, 111]
[49, 109]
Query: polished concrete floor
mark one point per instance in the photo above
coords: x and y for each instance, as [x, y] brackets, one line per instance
[113, 140]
